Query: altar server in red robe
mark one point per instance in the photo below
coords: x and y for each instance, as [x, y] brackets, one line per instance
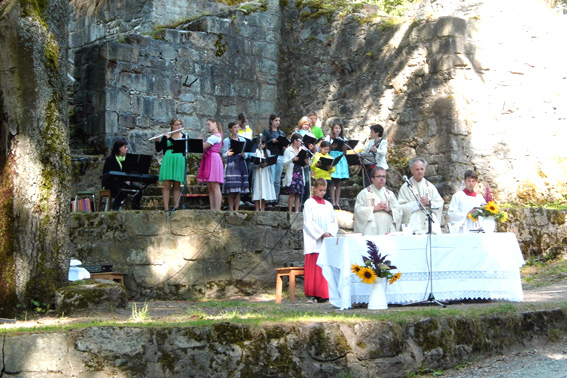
[318, 223]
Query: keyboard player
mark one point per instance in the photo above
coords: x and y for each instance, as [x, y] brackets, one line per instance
[120, 189]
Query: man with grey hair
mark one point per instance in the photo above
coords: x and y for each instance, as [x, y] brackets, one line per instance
[418, 193]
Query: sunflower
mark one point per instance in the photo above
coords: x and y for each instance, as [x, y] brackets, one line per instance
[367, 275]
[492, 207]
[472, 218]
[395, 277]
[355, 268]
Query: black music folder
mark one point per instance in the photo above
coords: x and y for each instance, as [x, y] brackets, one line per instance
[283, 142]
[326, 162]
[237, 146]
[271, 160]
[302, 155]
[354, 159]
[137, 163]
[340, 143]
[308, 139]
[251, 145]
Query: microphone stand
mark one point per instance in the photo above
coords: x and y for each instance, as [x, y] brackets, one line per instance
[184, 190]
[431, 298]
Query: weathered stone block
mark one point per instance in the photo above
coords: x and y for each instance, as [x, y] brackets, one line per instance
[36, 353]
[100, 295]
[121, 52]
[451, 26]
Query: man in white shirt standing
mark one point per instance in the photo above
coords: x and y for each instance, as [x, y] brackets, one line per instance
[418, 194]
[464, 202]
[376, 211]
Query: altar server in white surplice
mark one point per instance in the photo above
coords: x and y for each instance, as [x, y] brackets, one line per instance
[319, 222]
[376, 211]
[426, 193]
[464, 202]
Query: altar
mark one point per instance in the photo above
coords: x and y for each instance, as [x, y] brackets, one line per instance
[464, 266]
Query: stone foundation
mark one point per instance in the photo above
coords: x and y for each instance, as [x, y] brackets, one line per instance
[203, 253]
[363, 349]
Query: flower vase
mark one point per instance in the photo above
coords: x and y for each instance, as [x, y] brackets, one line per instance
[377, 300]
[488, 224]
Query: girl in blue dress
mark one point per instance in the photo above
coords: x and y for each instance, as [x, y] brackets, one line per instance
[341, 172]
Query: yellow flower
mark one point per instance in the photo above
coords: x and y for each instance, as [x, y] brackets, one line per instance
[355, 268]
[504, 217]
[471, 217]
[492, 207]
[367, 275]
[395, 277]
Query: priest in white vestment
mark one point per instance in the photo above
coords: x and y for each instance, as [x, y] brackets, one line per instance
[419, 191]
[464, 202]
[376, 211]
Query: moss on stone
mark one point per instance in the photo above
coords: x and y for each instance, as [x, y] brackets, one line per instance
[220, 46]
[8, 298]
[229, 333]
[323, 346]
[34, 7]
[52, 55]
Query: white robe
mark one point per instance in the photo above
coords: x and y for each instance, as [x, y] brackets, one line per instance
[376, 223]
[459, 208]
[317, 219]
[412, 212]
[262, 181]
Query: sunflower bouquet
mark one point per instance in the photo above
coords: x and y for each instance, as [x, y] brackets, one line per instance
[375, 267]
[491, 209]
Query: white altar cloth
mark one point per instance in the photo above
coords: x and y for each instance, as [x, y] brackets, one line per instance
[465, 266]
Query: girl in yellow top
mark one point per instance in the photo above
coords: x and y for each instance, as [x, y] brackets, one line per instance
[319, 170]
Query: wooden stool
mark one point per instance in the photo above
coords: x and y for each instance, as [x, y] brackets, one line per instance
[104, 193]
[111, 276]
[292, 272]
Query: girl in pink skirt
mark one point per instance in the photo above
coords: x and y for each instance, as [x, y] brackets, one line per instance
[211, 169]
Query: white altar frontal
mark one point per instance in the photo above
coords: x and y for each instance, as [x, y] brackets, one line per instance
[464, 266]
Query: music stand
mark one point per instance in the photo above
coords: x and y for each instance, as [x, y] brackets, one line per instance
[184, 146]
[428, 214]
[137, 163]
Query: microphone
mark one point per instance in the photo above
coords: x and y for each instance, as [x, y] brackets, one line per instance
[405, 178]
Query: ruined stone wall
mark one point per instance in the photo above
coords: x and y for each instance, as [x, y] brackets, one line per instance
[215, 66]
[449, 81]
[467, 85]
[193, 254]
[215, 253]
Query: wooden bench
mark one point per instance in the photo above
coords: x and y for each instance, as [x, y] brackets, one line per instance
[291, 272]
[111, 276]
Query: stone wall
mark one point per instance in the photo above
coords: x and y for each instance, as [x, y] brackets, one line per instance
[215, 66]
[542, 233]
[451, 84]
[360, 349]
[448, 82]
[200, 253]
[193, 254]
